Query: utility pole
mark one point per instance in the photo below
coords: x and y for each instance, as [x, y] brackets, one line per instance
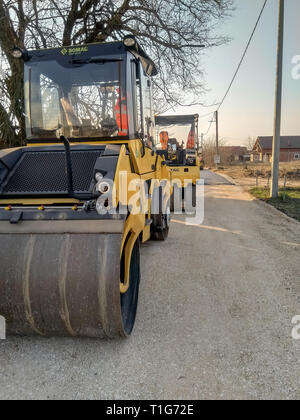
[277, 119]
[217, 131]
[217, 135]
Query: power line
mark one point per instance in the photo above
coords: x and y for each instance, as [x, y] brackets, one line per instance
[206, 115]
[241, 62]
[208, 130]
[244, 54]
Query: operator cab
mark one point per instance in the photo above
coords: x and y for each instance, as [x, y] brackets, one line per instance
[89, 93]
[191, 157]
[177, 154]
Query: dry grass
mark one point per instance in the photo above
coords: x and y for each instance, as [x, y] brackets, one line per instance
[252, 170]
[259, 175]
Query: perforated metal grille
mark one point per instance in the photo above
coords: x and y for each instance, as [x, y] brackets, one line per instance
[45, 172]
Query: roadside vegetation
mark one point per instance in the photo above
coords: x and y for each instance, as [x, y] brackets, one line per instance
[288, 201]
[251, 175]
[256, 177]
[253, 170]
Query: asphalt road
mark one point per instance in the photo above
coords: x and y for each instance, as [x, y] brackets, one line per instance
[214, 318]
[212, 178]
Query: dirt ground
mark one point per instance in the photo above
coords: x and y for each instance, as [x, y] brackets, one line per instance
[258, 175]
[214, 318]
[250, 182]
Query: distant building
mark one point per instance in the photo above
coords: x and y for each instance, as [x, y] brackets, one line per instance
[231, 154]
[289, 149]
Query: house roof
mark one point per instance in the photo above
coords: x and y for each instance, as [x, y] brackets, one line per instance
[286, 142]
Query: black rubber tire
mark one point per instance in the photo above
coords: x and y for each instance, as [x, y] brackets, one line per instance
[194, 198]
[160, 236]
[172, 205]
[129, 300]
[194, 195]
[161, 225]
[176, 191]
[158, 233]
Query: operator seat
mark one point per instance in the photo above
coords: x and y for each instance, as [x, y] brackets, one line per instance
[73, 121]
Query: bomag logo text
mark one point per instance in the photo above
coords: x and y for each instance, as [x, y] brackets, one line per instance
[74, 50]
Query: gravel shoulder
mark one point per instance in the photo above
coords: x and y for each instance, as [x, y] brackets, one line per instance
[214, 318]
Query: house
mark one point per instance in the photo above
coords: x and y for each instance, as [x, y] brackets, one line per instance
[289, 149]
[232, 154]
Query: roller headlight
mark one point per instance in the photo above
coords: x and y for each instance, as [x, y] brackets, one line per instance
[129, 41]
[20, 53]
[104, 187]
[17, 53]
[98, 176]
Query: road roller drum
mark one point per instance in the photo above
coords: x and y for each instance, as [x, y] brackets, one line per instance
[66, 284]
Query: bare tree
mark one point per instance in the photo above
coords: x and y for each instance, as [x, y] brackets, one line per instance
[210, 151]
[172, 31]
[251, 142]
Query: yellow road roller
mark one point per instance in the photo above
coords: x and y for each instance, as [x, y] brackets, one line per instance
[71, 216]
[182, 159]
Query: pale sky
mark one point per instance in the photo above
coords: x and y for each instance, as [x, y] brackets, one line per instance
[249, 108]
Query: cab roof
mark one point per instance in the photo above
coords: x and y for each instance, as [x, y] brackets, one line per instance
[87, 51]
[181, 120]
